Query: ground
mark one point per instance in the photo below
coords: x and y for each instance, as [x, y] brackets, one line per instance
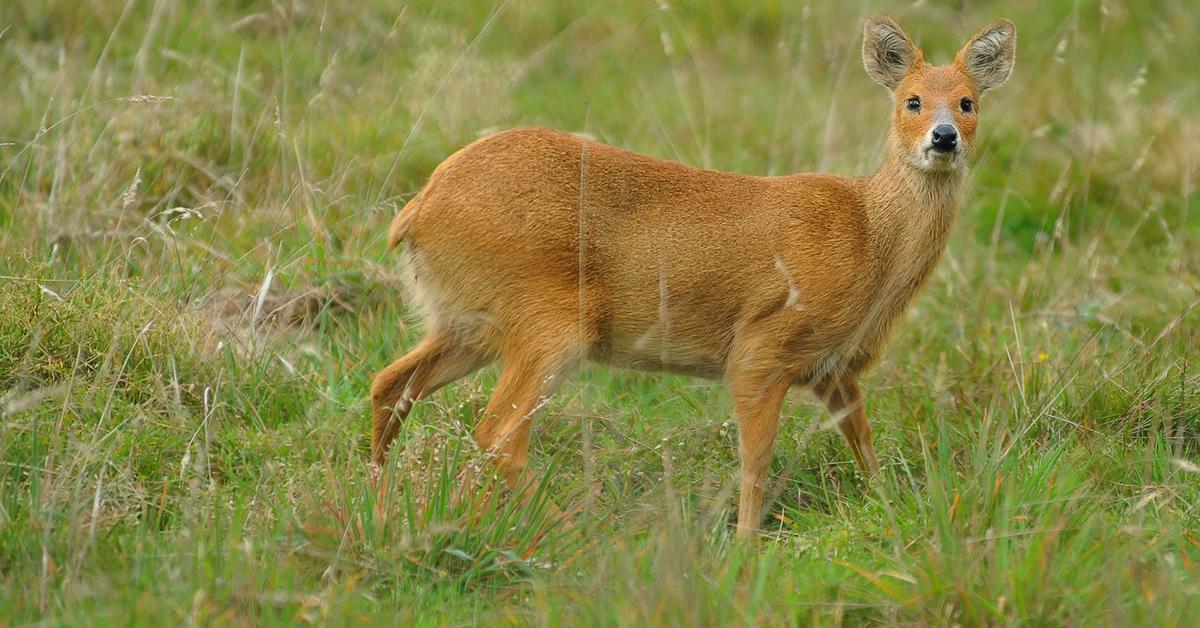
[195, 291]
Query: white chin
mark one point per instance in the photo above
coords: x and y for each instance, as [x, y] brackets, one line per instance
[934, 161]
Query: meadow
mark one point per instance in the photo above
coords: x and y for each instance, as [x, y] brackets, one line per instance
[195, 291]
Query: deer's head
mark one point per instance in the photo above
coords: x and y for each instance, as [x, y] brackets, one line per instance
[936, 107]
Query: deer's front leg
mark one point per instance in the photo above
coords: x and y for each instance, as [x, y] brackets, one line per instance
[757, 400]
[844, 400]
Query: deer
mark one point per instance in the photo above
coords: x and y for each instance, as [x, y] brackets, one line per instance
[545, 250]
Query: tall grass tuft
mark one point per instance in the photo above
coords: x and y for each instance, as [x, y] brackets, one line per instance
[439, 512]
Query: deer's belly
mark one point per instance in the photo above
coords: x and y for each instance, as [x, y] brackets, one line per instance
[683, 343]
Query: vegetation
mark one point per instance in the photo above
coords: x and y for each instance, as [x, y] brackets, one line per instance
[195, 292]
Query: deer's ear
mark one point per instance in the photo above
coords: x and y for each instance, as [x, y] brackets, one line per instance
[888, 54]
[989, 55]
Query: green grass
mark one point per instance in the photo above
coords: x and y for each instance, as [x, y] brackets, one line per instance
[195, 292]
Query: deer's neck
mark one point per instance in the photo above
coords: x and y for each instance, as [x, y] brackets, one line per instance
[910, 212]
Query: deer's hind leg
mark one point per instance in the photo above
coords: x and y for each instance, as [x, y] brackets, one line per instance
[532, 368]
[438, 360]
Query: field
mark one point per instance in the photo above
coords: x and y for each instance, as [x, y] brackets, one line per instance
[195, 291]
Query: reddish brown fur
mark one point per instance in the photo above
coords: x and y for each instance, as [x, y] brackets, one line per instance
[768, 282]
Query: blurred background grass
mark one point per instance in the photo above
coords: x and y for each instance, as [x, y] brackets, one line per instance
[195, 292]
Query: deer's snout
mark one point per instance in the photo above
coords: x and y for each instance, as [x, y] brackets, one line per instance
[944, 138]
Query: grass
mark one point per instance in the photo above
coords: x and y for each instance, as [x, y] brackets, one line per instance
[195, 291]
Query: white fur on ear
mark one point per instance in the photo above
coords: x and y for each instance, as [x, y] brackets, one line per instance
[989, 56]
[888, 54]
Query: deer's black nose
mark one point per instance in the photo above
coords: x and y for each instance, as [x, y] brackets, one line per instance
[945, 138]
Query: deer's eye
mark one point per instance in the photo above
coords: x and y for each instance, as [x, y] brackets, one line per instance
[967, 105]
[913, 104]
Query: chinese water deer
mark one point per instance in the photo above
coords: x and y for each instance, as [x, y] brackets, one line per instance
[543, 249]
